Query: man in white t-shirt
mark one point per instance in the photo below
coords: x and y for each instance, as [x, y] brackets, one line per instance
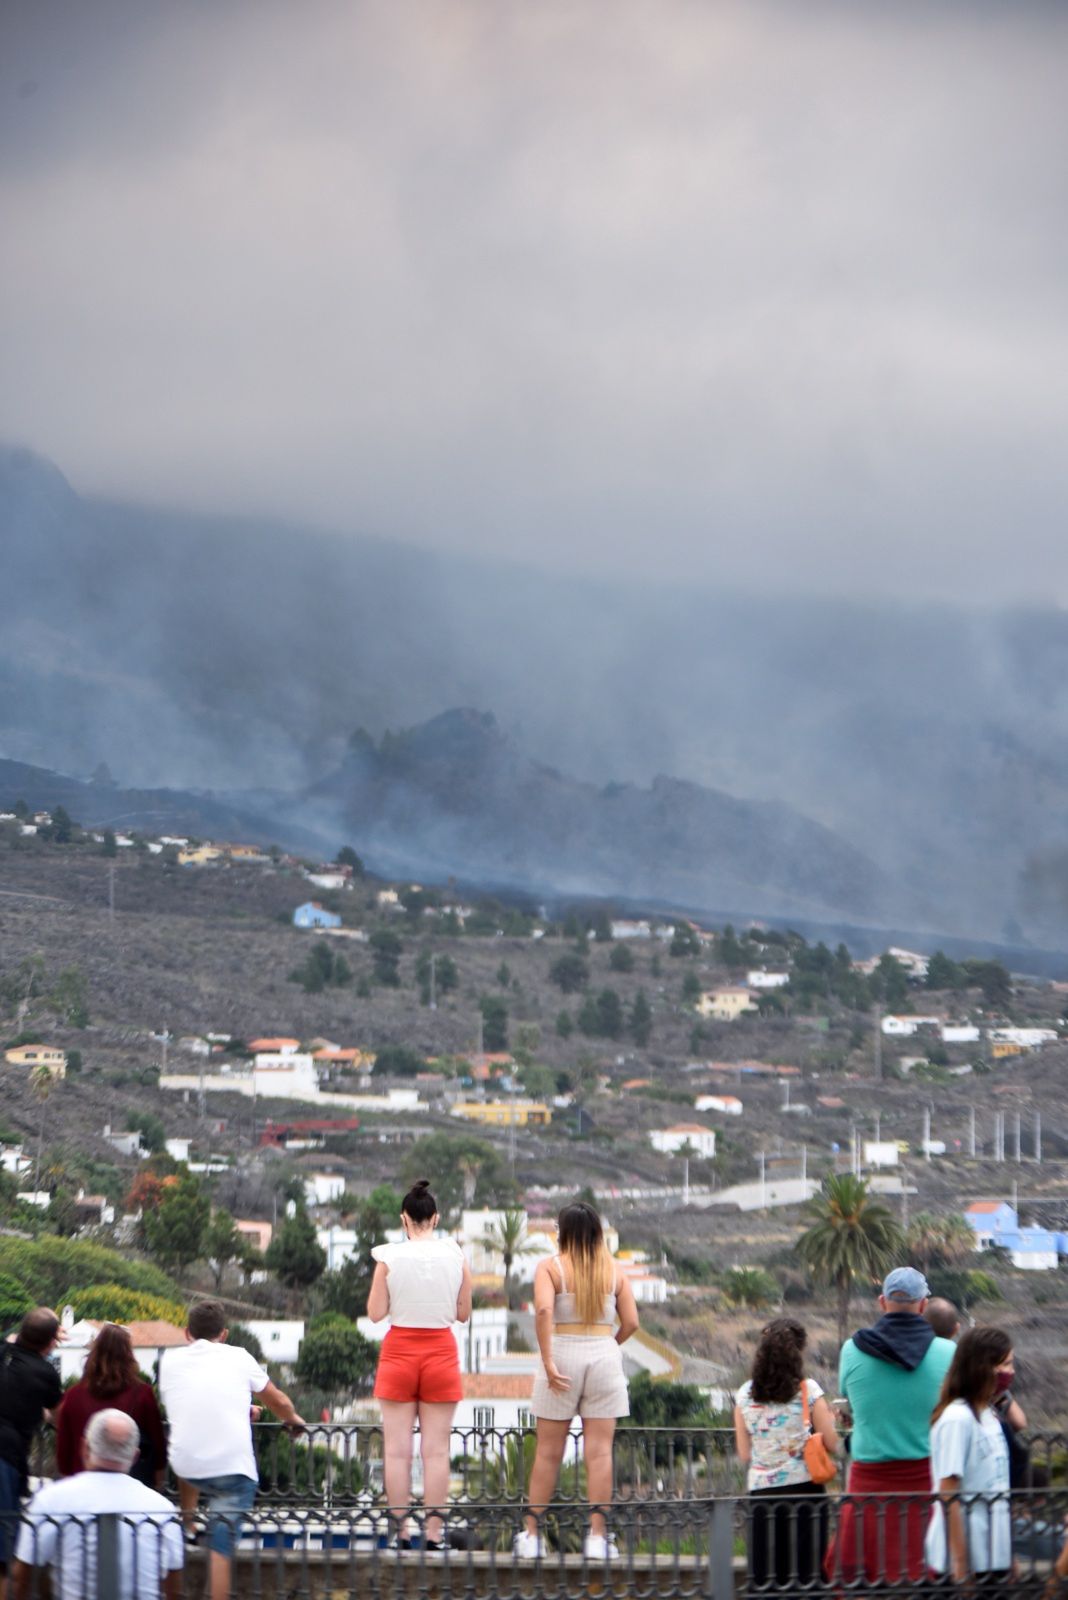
[208, 1390]
[60, 1528]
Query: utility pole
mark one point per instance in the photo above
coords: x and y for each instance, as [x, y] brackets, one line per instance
[804, 1163]
[685, 1180]
[1017, 1138]
[927, 1133]
[433, 990]
[878, 1125]
[971, 1133]
[166, 1040]
[878, 1044]
[762, 1157]
[1038, 1137]
[786, 1101]
[1016, 1197]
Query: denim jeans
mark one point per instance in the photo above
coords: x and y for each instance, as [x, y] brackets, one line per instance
[227, 1498]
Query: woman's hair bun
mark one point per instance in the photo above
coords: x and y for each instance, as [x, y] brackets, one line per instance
[421, 1183]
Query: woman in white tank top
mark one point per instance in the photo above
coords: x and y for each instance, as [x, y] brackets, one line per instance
[423, 1286]
[583, 1311]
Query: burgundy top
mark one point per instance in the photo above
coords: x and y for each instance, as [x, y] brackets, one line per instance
[138, 1401]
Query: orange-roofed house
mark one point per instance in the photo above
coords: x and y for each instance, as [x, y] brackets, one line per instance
[669, 1141]
[273, 1047]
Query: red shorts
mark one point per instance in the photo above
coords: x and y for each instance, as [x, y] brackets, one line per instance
[419, 1364]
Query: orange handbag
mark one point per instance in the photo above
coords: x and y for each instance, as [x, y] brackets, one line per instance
[820, 1463]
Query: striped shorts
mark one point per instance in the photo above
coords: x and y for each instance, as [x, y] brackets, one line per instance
[594, 1363]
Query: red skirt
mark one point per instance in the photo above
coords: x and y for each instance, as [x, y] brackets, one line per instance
[881, 1531]
[419, 1364]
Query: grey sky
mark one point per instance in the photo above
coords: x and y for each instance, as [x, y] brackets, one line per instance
[770, 292]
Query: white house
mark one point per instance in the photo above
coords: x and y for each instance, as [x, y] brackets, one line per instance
[669, 1141]
[1026, 1038]
[728, 1105]
[280, 1341]
[759, 979]
[960, 1033]
[624, 929]
[320, 1188]
[881, 1153]
[328, 878]
[898, 1027]
[178, 1149]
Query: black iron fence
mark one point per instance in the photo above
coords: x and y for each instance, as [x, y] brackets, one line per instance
[790, 1544]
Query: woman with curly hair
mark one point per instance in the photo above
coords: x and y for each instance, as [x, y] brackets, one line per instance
[788, 1511]
[112, 1380]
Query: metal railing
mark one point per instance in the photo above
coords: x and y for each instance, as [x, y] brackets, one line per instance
[786, 1545]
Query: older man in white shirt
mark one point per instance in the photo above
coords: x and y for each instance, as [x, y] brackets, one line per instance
[61, 1530]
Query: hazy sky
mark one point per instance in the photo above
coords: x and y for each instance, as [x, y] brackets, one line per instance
[765, 292]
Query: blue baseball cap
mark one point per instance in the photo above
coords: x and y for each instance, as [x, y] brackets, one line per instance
[905, 1283]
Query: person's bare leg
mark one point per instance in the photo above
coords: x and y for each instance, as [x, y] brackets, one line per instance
[597, 1436]
[188, 1500]
[435, 1434]
[548, 1454]
[220, 1576]
[398, 1419]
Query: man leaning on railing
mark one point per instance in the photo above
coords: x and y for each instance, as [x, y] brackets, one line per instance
[61, 1528]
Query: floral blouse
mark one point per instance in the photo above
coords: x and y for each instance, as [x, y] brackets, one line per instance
[777, 1434]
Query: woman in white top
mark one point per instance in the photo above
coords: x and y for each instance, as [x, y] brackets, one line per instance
[423, 1286]
[578, 1297]
[971, 1523]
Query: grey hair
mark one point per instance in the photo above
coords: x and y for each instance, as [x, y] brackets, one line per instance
[111, 1440]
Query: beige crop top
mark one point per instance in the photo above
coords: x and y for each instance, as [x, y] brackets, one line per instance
[565, 1306]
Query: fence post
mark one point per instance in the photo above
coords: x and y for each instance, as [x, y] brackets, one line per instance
[107, 1554]
[721, 1549]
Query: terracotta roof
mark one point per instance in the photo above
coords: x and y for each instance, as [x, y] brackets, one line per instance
[273, 1044]
[151, 1335]
[985, 1206]
[687, 1127]
[498, 1385]
[637, 1083]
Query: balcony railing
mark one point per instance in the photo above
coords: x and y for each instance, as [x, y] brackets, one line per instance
[676, 1549]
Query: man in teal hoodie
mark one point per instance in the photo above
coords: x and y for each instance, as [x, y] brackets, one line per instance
[891, 1375]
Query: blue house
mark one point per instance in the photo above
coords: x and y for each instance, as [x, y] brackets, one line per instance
[1032, 1249]
[312, 915]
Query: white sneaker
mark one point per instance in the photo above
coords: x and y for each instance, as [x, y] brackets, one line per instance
[596, 1547]
[529, 1546]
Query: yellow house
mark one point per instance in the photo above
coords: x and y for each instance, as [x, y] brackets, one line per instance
[503, 1113]
[1000, 1050]
[725, 1005]
[38, 1055]
[198, 855]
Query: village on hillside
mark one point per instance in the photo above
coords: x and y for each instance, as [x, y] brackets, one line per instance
[226, 1063]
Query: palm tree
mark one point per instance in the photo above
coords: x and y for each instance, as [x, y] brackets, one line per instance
[42, 1083]
[940, 1241]
[852, 1236]
[507, 1237]
[749, 1286]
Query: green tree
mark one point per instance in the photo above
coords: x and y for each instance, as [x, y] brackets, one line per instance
[640, 1022]
[174, 1232]
[386, 952]
[992, 979]
[150, 1127]
[609, 1014]
[14, 1302]
[589, 1017]
[691, 988]
[398, 1061]
[494, 1022]
[222, 1245]
[446, 975]
[347, 857]
[749, 1286]
[462, 1171]
[946, 1241]
[506, 1236]
[564, 1025]
[69, 997]
[729, 949]
[942, 973]
[61, 828]
[295, 1255]
[684, 941]
[110, 1302]
[504, 975]
[335, 1358]
[110, 845]
[322, 968]
[622, 958]
[570, 972]
[889, 983]
[852, 1237]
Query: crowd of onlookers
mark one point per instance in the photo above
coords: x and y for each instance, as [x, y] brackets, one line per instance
[924, 1437]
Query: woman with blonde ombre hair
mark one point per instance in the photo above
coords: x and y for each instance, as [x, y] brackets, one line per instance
[583, 1311]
